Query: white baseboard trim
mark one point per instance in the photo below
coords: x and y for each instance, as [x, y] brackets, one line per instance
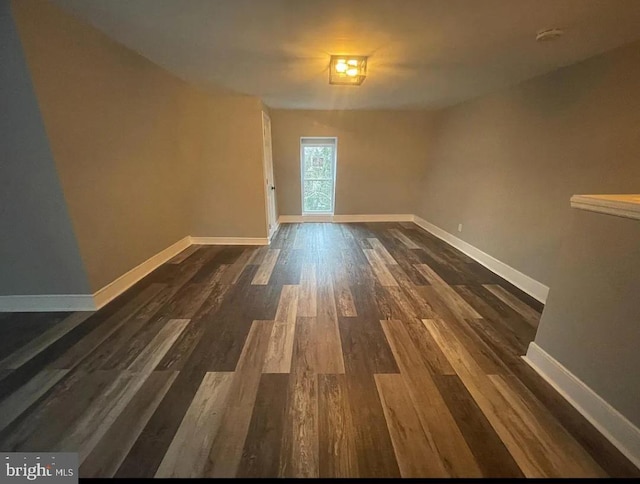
[128, 279]
[47, 303]
[529, 285]
[230, 240]
[290, 219]
[287, 219]
[623, 434]
[93, 302]
[391, 217]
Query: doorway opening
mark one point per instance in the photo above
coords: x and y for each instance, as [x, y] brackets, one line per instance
[318, 173]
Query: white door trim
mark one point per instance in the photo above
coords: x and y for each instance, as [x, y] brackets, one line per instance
[271, 222]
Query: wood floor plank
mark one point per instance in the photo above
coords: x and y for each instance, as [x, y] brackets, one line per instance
[456, 303]
[528, 313]
[327, 337]
[280, 350]
[299, 453]
[35, 346]
[379, 268]
[116, 443]
[150, 447]
[382, 251]
[94, 423]
[565, 453]
[261, 453]
[187, 455]
[234, 271]
[374, 450]
[183, 255]
[89, 343]
[278, 357]
[307, 304]
[410, 244]
[415, 454]
[41, 427]
[422, 376]
[365, 347]
[435, 417]
[342, 292]
[525, 438]
[266, 268]
[179, 353]
[430, 353]
[336, 429]
[490, 452]
[483, 355]
[287, 305]
[19, 401]
[226, 449]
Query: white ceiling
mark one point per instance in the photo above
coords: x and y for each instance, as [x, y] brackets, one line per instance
[423, 53]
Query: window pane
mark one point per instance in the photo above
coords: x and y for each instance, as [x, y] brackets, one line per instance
[318, 162]
[317, 196]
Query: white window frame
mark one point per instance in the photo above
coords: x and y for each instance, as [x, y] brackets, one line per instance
[318, 141]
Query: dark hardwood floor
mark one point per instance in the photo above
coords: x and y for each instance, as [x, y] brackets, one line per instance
[339, 350]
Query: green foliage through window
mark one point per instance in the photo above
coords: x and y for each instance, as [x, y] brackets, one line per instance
[318, 178]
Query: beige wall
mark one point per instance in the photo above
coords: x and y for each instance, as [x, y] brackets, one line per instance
[506, 165]
[136, 148]
[591, 323]
[380, 155]
[230, 193]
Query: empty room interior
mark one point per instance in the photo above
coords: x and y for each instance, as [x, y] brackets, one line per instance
[320, 238]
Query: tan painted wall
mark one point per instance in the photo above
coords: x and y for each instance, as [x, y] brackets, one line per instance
[591, 323]
[380, 155]
[506, 165]
[230, 194]
[136, 148]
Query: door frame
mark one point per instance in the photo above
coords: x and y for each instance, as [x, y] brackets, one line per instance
[269, 222]
[335, 171]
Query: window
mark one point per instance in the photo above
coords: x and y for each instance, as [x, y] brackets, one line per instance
[318, 168]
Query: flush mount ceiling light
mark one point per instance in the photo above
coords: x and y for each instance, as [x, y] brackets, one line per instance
[348, 70]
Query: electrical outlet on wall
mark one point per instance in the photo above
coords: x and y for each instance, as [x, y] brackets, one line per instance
[459, 227]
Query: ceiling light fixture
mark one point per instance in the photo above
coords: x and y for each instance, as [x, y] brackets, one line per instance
[348, 70]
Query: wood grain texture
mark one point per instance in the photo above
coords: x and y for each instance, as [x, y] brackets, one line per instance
[415, 453]
[307, 305]
[456, 303]
[266, 268]
[19, 401]
[528, 313]
[261, 453]
[523, 435]
[116, 443]
[382, 251]
[187, 455]
[490, 453]
[44, 340]
[280, 350]
[226, 449]
[340, 350]
[336, 429]
[383, 275]
[402, 237]
[436, 419]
